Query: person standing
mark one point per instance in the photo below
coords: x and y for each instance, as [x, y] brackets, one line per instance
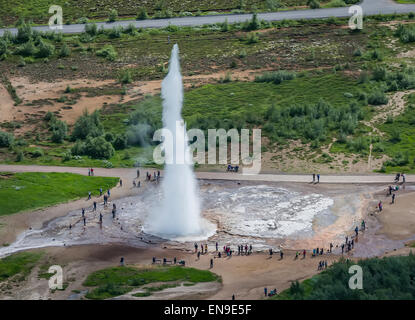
[95, 206]
[211, 263]
[314, 177]
[393, 198]
[318, 178]
[120, 182]
[265, 291]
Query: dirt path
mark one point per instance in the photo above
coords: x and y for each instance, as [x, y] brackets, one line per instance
[393, 108]
[128, 174]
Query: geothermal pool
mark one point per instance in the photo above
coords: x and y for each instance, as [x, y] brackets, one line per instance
[264, 215]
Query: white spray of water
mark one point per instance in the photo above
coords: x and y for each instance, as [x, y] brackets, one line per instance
[179, 215]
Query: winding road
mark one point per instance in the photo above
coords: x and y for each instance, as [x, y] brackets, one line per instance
[129, 173]
[370, 7]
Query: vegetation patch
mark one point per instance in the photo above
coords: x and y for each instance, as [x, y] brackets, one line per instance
[116, 281]
[389, 278]
[32, 190]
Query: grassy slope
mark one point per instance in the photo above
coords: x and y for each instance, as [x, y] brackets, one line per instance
[116, 281]
[386, 278]
[24, 191]
[405, 124]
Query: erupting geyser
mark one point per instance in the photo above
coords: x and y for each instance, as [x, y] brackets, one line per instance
[179, 213]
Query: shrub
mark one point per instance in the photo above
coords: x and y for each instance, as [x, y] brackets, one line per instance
[98, 148]
[254, 24]
[91, 29]
[27, 49]
[395, 135]
[357, 52]
[142, 14]
[273, 4]
[113, 15]
[6, 139]
[276, 77]
[379, 73]
[45, 49]
[24, 32]
[3, 47]
[59, 131]
[115, 32]
[406, 33]
[20, 156]
[314, 4]
[378, 98]
[335, 4]
[252, 38]
[125, 77]
[65, 51]
[225, 26]
[108, 52]
[82, 20]
[120, 142]
[87, 125]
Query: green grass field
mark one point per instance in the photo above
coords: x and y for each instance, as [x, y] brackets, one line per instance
[116, 281]
[18, 264]
[29, 191]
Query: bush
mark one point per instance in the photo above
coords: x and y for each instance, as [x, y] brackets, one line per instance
[406, 33]
[120, 142]
[142, 14]
[59, 131]
[27, 49]
[20, 156]
[65, 51]
[98, 148]
[45, 49]
[276, 77]
[115, 32]
[314, 4]
[273, 4]
[252, 38]
[113, 15]
[24, 32]
[378, 98]
[6, 139]
[379, 73]
[254, 24]
[108, 136]
[395, 135]
[125, 77]
[108, 52]
[91, 29]
[87, 125]
[335, 4]
[3, 47]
